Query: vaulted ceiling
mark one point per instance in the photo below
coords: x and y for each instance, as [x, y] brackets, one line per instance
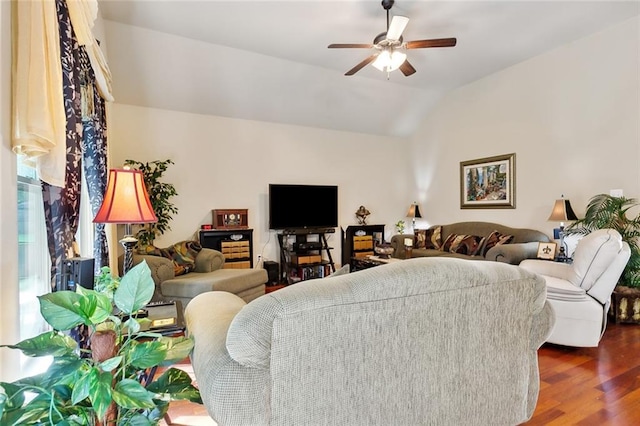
[268, 60]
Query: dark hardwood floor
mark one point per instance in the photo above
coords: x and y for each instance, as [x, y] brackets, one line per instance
[578, 386]
[591, 386]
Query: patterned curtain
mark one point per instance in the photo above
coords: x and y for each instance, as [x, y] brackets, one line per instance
[94, 149]
[85, 137]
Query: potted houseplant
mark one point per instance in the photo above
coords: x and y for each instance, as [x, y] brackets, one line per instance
[103, 383]
[400, 226]
[606, 211]
[160, 194]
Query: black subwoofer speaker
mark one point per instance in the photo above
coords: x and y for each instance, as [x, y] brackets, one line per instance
[79, 271]
[273, 271]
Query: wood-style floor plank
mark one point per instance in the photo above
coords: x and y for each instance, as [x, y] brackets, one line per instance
[591, 386]
[578, 386]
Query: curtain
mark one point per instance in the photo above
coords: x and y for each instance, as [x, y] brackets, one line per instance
[86, 150]
[62, 204]
[94, 149]
[38, 115]
[60, 83]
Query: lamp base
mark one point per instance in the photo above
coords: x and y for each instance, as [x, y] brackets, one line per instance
[128, 242]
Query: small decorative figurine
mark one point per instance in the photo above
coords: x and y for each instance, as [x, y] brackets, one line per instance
[362, 214]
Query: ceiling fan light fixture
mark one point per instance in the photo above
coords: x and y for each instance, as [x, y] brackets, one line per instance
[388, 60]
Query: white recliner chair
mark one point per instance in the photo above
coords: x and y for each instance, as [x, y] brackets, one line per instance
[580, 292]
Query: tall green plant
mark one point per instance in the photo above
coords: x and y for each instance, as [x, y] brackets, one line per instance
[160, 194]
[100, 385]
[606, 211]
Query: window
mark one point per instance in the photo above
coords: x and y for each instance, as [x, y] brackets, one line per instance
[33, 260]
[34, 263]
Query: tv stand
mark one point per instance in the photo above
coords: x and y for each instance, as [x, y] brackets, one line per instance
[307, 231]
[303, 258]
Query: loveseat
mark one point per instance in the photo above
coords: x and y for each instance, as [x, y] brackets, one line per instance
[208, 274]
[472, 240]
[419, 342]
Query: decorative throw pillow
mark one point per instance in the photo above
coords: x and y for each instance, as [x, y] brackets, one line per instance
[150, 250]
[495, 238]
[419, 238]
[433, 238]
[182, 254]
[462, 244]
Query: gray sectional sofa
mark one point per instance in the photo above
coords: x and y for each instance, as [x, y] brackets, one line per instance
[522, 245]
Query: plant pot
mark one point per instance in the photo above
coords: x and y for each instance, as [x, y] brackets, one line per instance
[625, 305]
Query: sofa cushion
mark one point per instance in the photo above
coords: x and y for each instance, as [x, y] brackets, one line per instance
[462, 244]
[495, 238]
[230, 280]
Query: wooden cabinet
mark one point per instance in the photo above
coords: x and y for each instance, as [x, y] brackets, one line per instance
[360, 241]
[305, 254]
[236, 246]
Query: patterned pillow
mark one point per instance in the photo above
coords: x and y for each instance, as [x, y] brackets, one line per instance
[419, 238]
[428, 238]
[496, 238]
[182, 254]
[463, 244]
[433, 237]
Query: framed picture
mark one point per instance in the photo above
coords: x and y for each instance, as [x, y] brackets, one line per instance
[547, 251]
[488, 183]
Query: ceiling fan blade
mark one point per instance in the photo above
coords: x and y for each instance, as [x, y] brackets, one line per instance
[361, 65]
[407, 69]
[436, 42]
[350, 46]
[397, 26]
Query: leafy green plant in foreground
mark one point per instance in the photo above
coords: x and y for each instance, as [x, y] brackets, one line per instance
[104, 384]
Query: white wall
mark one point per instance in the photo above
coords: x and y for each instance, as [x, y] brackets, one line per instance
[223, 163]
[572, 116]
[8, 213]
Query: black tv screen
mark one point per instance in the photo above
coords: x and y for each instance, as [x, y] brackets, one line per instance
[303, 206]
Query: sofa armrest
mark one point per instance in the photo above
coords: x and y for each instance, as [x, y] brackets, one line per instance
[512, 253]
[397, 242]
[545, 267]
[208, 317]
[209, 260]
[161, 268]
[228, 389]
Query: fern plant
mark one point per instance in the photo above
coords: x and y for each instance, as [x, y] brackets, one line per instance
[606, 211]
[160, 194]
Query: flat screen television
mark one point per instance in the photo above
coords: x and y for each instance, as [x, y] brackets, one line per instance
[303, 206]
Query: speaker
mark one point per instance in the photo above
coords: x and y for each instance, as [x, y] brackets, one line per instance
[79, 270]
[273, 272]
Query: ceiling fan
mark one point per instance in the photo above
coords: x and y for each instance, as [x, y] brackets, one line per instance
[389, 46]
